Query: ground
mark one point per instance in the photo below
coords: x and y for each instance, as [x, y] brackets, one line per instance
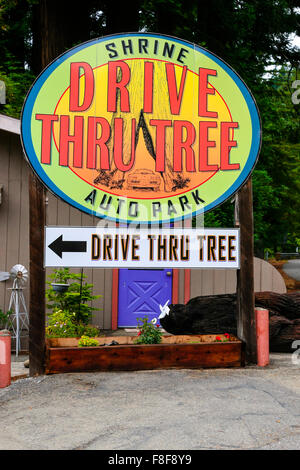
[290, 271]
[245, 408]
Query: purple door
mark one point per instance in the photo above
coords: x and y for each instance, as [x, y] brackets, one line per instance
[140, 293]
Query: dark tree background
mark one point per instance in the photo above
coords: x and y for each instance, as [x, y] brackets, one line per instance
[251, 35]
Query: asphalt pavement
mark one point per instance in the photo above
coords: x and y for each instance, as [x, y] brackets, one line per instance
[292, 268]
[245, 408]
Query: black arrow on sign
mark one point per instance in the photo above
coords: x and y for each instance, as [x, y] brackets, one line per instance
[59, 246]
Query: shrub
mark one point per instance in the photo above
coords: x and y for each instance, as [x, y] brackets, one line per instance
[87, 341]
[76, 299]
[62, 324]
[4, 318]
[87, 330]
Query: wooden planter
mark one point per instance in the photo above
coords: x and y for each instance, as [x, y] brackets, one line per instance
[179, 352]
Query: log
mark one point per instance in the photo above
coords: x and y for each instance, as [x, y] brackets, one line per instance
[286, 304]
[218, 314]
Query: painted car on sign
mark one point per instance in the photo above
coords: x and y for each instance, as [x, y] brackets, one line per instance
[143, 180]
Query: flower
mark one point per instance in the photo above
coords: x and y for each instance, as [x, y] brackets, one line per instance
[149, 333]
[223, 339]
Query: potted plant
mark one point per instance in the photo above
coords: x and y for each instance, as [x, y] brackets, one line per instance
[61, 276]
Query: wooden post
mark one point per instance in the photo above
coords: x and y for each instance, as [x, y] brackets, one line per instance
[52, 34]
[245, 275]
[37, 217]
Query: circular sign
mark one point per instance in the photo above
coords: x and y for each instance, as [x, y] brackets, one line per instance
[141, 127]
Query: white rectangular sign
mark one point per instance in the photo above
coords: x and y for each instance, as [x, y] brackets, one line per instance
[98, 247]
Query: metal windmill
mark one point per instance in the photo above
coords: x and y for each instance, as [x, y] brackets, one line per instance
[18, 319]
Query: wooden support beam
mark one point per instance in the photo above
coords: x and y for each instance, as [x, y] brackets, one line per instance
[245, 275]
[37, 217]
[187, 272]
[52, 34]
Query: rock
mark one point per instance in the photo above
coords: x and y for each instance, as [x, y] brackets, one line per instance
[26, 363]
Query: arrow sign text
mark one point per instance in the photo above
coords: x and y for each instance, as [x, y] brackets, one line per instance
[99, 247]
[59, 246]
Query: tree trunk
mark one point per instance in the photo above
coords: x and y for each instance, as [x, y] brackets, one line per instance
[57, 26]
[218, 314]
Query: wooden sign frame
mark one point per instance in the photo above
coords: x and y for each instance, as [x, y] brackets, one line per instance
[245, 276]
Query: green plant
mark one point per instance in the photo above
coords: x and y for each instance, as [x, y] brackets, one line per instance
[269, 253]
[87, 330]
[87, 341]
[149, 333]
[62, 324]
[61, 275]
[4, 318]
[76, 299]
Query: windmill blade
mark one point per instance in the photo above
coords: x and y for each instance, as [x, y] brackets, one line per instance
[19, 272]
[4, 276]
[164, 310]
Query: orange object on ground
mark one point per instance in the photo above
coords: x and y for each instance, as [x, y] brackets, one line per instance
[5, 358]
[262, 336]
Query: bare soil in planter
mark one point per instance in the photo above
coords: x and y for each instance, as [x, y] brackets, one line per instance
[175, 351]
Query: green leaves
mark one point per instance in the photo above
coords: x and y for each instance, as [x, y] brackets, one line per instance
[276, 181]
[76, 299]
[63, 324]
[149, 333]
[17, 84]
[86, 341]
[4, 318]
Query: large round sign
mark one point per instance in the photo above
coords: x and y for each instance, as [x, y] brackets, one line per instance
[141, 127]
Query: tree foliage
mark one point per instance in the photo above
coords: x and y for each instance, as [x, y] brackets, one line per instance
[280, 161]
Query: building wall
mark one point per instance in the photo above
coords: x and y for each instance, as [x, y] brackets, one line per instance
[61, 214]
[223, 281]
[14, 234]
[14, 227]
[14, 241]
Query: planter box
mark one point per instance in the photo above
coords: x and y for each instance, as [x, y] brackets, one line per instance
[180, 352]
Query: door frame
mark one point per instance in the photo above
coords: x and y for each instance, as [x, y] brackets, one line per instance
[115, 294]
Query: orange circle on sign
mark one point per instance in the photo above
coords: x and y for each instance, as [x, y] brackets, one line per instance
[143, 181]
